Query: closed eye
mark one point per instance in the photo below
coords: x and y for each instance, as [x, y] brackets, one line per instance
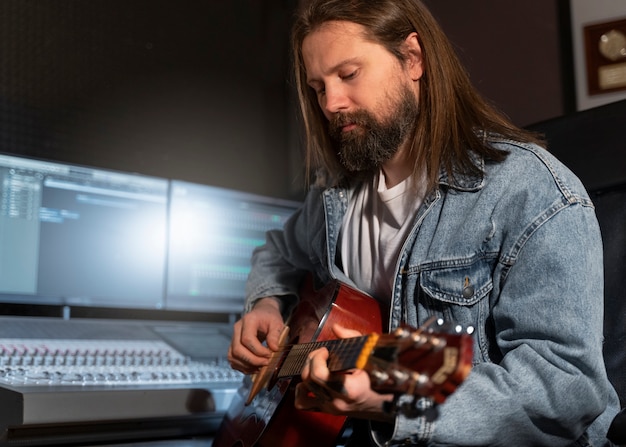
[318, 87]
[348, 76]
[319, 92]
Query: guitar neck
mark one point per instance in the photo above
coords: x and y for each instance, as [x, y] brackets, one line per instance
[346, 353]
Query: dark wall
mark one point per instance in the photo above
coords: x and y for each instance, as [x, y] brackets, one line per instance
[518, 53]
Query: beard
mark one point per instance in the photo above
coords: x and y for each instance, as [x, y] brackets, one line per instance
[367, 147]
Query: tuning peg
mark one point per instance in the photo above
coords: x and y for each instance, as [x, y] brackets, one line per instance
[437, 343]
[419, 338]
[399, 376]
[402, 333]
[379, 376]
[420, 379]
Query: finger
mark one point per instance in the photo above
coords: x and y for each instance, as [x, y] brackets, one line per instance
[336, 385]
[319, 379]
[247, 338]
[243, 353]
[242, 365]
[274, 335]
[316, 367]
[344, 332]
[306, 400]
[253, 347]
[242, 362]
[330, 387]
[266, 324]
[245, 368]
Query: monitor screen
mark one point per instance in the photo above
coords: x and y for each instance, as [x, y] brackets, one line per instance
[75, 235]
[213, 232]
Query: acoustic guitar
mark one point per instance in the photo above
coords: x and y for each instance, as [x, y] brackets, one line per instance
[431, 361]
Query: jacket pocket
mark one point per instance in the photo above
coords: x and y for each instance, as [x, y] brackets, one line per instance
[462, 282]
[459, 291]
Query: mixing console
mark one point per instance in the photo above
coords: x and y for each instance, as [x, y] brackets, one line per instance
[104, 362]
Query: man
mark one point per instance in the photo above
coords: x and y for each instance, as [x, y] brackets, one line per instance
[436, 205]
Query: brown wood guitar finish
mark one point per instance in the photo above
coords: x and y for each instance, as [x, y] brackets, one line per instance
[419, 362]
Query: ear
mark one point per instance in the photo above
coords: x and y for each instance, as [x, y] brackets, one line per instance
[414, 56]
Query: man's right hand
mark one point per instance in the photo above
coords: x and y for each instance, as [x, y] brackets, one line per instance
[264, 323]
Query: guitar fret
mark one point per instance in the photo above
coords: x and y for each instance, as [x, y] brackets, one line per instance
[343, 355]
[296, 359]
[346, 354]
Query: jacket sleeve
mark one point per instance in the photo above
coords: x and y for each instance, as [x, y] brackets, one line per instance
[279, 265]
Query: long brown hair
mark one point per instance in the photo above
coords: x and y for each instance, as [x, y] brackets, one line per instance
[453, 118]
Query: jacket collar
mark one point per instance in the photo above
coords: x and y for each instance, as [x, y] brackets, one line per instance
[465, 182]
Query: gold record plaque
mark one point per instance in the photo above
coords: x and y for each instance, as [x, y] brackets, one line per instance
[605, 50]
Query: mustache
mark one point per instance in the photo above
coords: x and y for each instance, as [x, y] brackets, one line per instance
[340, 120]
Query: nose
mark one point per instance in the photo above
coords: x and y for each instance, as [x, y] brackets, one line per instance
[334, 99]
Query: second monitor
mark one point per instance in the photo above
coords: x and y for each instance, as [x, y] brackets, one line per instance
[213, 232]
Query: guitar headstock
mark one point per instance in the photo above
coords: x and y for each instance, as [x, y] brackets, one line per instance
[431, 361]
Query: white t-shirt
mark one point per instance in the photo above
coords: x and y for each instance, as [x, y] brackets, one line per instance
[375, 226]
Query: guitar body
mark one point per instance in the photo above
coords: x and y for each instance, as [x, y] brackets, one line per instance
[271, 420]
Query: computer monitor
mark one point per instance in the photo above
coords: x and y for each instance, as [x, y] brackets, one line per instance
[213, 232]
[76, 235]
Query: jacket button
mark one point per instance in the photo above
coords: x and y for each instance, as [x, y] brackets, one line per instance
[468, 291]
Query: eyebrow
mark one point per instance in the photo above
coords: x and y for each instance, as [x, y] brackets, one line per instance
[335, 68]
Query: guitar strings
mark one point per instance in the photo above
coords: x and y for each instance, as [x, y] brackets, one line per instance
[318, 344]
[343, 354]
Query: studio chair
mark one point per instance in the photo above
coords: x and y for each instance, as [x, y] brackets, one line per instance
[592, 143]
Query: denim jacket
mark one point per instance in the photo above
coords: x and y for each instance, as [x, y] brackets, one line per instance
[516, 254]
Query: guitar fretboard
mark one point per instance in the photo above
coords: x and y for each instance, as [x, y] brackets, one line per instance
[343, 354]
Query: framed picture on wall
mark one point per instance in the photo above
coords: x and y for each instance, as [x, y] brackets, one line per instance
[605, 56]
